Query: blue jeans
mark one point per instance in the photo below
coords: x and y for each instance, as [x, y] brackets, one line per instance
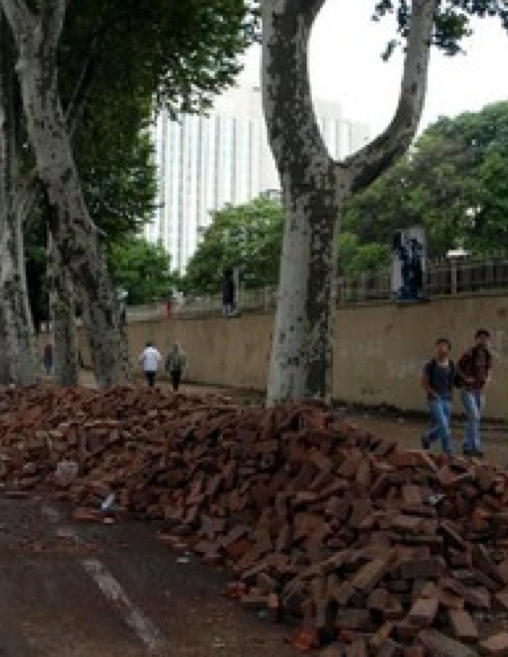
[473, 401]
[441, 414]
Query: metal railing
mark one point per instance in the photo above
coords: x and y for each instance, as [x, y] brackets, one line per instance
[446, 278]
[441, 279]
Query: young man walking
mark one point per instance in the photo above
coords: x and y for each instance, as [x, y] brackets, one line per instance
[437, 381]
[175, 365]
[473, 368]
[150, 358]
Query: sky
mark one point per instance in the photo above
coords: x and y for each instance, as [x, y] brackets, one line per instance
[346, 66]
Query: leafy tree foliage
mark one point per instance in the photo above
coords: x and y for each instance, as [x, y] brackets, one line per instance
[142, 269]
[247, 236]
[452, 20]
[356, 258]
[452, 183]
[181, 53]
[115, 158]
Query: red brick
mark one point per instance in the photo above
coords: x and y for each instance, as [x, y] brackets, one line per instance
[358, 648]
[413, 651]
[462, 625]
[389, 648]
[369, 575]
[438, 645]
[495, 646]
[424, 611]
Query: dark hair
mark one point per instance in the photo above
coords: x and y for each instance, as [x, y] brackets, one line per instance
[444, 341]
[482, 333]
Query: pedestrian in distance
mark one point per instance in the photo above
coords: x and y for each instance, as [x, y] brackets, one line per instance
[47, 358]
[150, 358]
[228, 293]
[473, 372]
[176, 363]
[438, 382]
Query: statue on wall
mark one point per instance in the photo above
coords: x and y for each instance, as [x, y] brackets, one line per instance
[408, 266]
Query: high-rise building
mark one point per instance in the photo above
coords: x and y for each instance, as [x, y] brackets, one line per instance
[205, 162]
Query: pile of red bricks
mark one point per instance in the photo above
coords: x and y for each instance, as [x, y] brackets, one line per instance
[373, 549]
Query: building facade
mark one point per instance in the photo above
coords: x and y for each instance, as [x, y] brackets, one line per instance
[206, 162]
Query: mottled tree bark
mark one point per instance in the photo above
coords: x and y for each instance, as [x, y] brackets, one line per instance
[62, 311]
[18, 340]
[315, 187]
[36, 37]
[5, 377]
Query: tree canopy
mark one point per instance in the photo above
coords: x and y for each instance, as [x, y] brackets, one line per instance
[141, 269]
[247, 236]
[451, 182]
[180, 52]
[452, 20]
[116, 162]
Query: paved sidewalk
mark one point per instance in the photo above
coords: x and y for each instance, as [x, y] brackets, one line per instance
[409, 429]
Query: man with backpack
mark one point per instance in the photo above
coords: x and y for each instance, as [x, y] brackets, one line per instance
[438, 381]
[175, 365]
[473, 371]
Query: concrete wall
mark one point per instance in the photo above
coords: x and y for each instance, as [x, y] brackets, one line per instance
[232, 352]
[379, 348]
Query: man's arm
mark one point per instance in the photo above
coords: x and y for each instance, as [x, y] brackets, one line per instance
[463, 367]
[426, 383]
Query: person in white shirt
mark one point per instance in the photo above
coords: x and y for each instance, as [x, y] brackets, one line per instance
[150, 358]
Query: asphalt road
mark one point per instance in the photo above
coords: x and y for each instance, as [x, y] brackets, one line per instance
[96, 590]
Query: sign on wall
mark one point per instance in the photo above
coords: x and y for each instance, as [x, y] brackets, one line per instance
[408, 264]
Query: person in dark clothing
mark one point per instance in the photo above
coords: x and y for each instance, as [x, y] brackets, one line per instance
[228, 293]
[47, 358]
[416, 277]
[438, 381]
[175, 365]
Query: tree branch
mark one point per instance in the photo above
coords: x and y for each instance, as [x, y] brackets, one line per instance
[310, 9]
[293, 132]
[376, 157]
[83, 87]
[52, 16]
[81, 94]
[20, 17]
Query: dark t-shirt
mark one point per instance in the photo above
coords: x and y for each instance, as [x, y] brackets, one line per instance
[228, 291]
[440, 378]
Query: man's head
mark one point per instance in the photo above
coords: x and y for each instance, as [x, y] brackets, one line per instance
[482, 337]
[443, 347]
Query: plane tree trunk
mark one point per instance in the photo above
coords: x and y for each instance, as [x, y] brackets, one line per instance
[314, 188]
[19, 352]
[63, 320]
